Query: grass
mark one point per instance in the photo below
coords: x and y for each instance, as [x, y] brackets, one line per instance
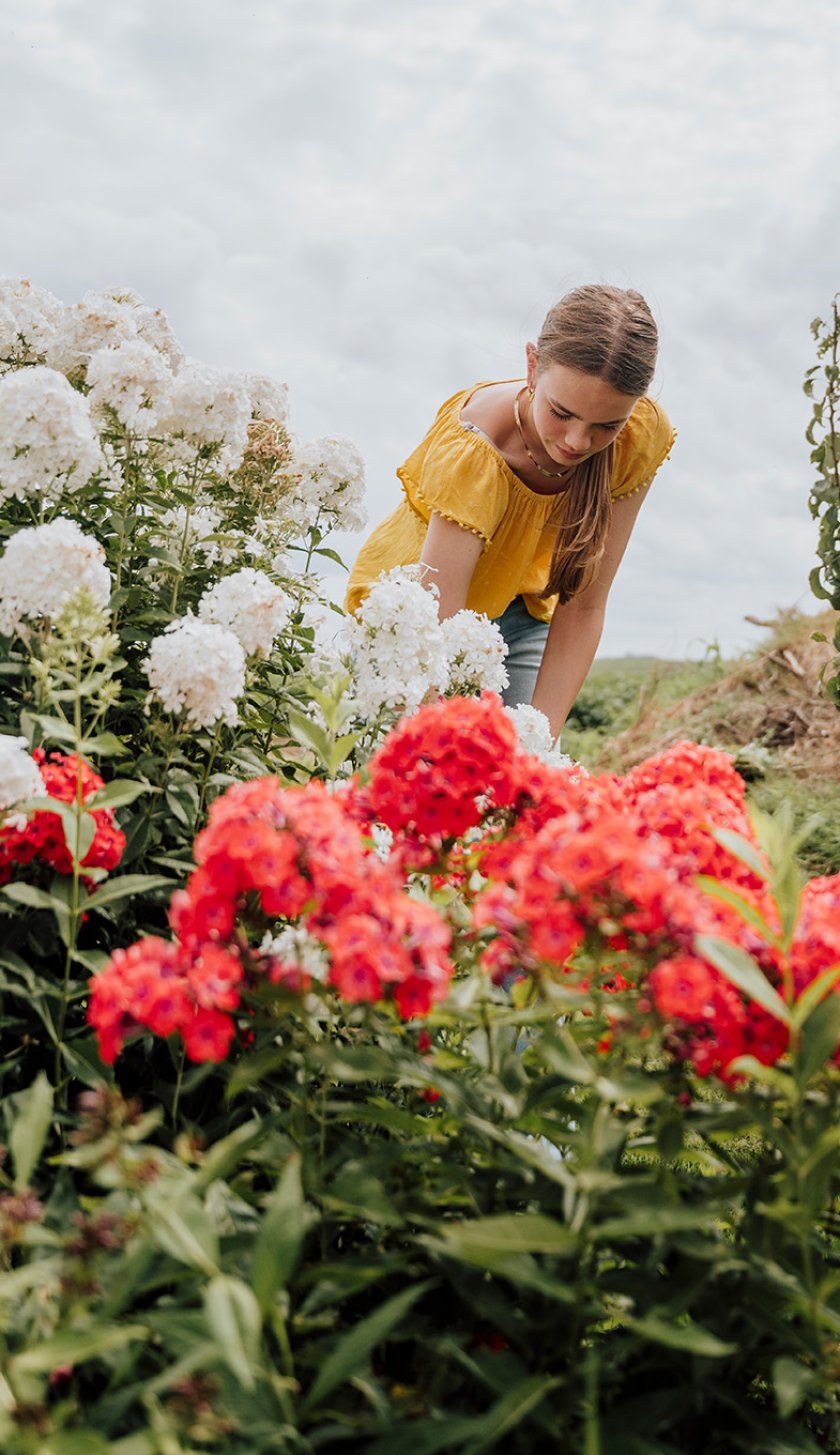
[766, 708]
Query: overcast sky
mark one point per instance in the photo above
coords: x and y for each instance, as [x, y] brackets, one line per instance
[377, 202]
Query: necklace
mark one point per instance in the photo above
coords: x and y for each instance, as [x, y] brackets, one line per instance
[552, 474]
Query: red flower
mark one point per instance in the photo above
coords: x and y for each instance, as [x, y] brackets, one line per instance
[69, 779]
[683, 988]
[426, 778]
[207, 1035]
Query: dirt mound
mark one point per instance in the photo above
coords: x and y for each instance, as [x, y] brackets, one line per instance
[768, 702]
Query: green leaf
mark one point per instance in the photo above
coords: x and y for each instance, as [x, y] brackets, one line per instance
[690, 1337]
[432, 1437]
[105, 745]
[35, 898]
[355, 1347]
[142, 1443]
[118, 793]
[747, 911]
[652, 1221]
[511, 1410]
[124, 886]
[813, 995]
[744, 973]
[234, 1319]
[362, 1193]
[563, 1056]
[820, 1038]
[280, 1238]
[185, 1231]
[76, 1346]
[28, 1130]
[310, 735]
[741, 848]
[509, 1233]
[75, 1442]
[791, 1382]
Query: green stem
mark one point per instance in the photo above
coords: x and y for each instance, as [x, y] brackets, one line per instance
[179, 1081]
[208, 768]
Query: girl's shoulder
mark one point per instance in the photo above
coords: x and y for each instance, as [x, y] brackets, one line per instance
[643, 445]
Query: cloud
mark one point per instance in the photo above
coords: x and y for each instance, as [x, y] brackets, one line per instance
[378, 203]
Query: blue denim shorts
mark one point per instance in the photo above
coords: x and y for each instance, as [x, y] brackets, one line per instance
[526, 638]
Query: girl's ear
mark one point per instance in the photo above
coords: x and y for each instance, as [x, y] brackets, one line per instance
[531, 360]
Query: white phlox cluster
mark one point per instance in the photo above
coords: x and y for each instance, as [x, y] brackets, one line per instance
[20, 777]
[103, 320]
[196, 530]
[133, 379]
[29, 317]
[251, 605]
[205, 409]
[534, 732]
[197, 668]
[476, 652]
[332, 481]
[45, 566]
[48, 443]
[294, 948]
[396, 644]
[269, 399]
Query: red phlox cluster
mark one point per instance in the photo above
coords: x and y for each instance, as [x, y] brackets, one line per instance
[272, 854]
[69, 779]
[708, 1022]
[439, 770]
[815, 949]
[614, 865]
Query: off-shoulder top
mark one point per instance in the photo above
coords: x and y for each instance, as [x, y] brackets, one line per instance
[457, 472]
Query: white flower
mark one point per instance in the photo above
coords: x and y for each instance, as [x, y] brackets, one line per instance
[207, 410]
[332, 481]
[294, 949]
[152, 326]
[397, 645]
[195, 530]
[197, 668]
[45, 566]
[47, 440]
[19, 773]
[251, 605]
[534, 732]
[98, 321]
[28, 320]
[476, 650]
[104, 320]
[269, 399]
[132, 379]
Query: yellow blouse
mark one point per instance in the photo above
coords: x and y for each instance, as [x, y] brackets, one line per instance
[457, 472]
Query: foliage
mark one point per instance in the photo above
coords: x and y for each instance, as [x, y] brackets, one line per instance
[521, 1216]
[461, 1102]
[823, 434]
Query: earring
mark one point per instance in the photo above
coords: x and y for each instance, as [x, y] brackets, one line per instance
[530, 393]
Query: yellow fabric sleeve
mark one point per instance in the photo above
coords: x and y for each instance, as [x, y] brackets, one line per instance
[641, 449]
[458, 474]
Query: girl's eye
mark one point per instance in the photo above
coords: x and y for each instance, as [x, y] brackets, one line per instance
[558, 415]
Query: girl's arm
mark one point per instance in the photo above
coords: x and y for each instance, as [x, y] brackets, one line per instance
[450, 554]
[576, 627]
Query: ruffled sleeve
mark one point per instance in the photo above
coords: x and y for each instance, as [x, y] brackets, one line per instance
[643, 445]
[456, 472]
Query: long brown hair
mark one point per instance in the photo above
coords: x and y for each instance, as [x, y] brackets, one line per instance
[608, 333]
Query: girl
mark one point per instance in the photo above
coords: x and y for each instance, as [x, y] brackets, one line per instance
[521, 499]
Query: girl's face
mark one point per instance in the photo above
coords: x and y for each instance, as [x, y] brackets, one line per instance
[575, 415]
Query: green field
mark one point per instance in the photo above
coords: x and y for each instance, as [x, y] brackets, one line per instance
[766, 708]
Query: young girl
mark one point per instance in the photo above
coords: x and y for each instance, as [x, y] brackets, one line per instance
[521, 499]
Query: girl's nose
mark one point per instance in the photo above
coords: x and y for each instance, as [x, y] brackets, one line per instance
[578, 437]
